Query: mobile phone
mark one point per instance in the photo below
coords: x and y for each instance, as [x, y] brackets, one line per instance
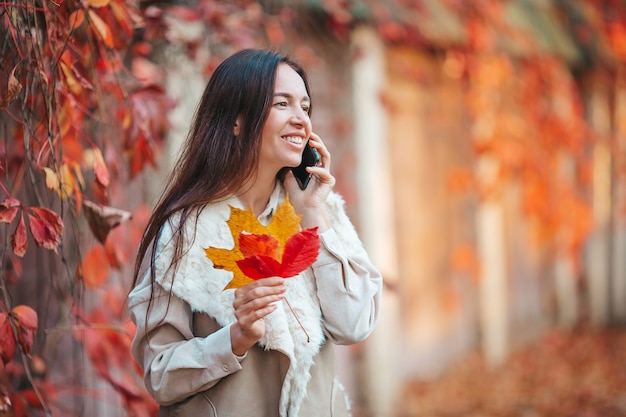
[310, 158]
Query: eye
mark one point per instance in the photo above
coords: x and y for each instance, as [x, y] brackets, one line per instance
[281, 104]
[306, 108]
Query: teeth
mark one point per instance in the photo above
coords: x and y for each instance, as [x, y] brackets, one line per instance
[294, 139]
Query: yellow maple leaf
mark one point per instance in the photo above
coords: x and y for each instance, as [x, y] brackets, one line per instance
[282, 226]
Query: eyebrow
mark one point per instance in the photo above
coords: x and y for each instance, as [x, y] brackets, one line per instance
[290, 96]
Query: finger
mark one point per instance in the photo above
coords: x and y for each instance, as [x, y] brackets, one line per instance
[259, 292]
[318, 144]
[242, 309]
[248, 319]
[322, 175]
[271, 281]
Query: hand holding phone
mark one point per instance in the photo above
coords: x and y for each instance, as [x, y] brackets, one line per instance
[310, 158]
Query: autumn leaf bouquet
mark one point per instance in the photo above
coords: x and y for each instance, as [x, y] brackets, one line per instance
[279, 249]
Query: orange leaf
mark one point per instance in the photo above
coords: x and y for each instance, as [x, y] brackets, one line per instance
[100, 168]
[98, 3]
[19, 242]
[95, 267]
[101, 28]
[140, 156]
[26, 323]
[46, 227]
[72, 146]
[8, 209]
[26, 316]
[76, 18]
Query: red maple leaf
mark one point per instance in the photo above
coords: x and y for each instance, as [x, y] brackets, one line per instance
[260, 251]
[7, 340]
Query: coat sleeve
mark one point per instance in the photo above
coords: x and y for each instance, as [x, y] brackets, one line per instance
[349, 286]
[176, 364]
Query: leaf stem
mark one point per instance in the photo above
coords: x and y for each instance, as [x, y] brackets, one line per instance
[308, 338]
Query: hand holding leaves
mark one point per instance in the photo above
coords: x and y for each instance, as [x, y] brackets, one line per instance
[276, 250]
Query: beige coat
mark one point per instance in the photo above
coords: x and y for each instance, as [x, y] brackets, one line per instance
[184, 345]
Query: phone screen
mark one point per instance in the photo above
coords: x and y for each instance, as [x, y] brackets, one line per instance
[310, 158]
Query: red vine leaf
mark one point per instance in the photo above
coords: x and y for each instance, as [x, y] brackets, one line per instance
[123, 16]
[7, 341]
[100, 169]
[8, 209]
[30, 397]
[26, 317]
[25, 320]
[26, 339]
[145, 126]
[75, 70]
[12, 269]
[46, 227]
[19, 241]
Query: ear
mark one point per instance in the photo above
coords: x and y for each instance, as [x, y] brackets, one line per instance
[236, 128]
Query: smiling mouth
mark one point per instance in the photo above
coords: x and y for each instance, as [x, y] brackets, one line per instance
[294, 139]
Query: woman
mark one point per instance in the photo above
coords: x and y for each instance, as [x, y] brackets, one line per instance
[206, 351]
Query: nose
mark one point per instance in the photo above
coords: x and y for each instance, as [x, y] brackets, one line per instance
[299, 116]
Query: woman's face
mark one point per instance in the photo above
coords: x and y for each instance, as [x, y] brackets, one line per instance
[288, 124]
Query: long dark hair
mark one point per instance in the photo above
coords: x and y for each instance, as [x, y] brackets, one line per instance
[214, 163]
